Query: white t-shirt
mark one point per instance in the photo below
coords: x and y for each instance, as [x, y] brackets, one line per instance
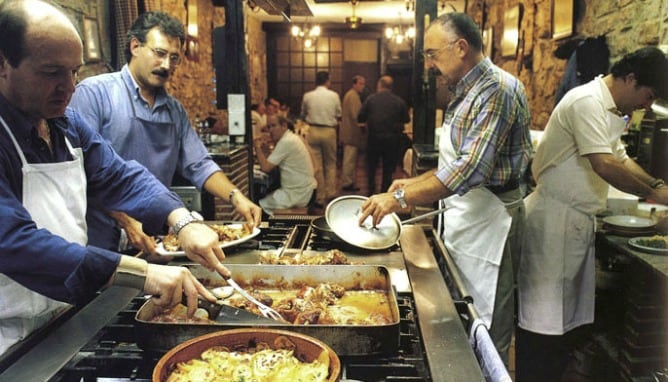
[579, 125]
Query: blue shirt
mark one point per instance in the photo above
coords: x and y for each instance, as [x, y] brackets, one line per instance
[106, 102]
[46, 263]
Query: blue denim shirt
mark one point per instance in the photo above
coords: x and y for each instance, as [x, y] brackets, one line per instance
[42, 261]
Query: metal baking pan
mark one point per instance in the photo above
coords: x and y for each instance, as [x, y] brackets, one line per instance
[344, 339]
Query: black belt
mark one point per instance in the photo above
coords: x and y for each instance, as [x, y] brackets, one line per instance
[318, 125]
[512, 184]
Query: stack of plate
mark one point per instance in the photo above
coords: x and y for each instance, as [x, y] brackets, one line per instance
[629, 225]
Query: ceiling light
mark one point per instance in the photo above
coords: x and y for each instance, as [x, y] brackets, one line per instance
[353, 21]
[309, 34]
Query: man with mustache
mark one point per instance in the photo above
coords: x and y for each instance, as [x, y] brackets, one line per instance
[483, 152]
[134, 112]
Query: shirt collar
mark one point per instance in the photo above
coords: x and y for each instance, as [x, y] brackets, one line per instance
[606, 97]
[160, 96]
[467, 82]
[19, 124]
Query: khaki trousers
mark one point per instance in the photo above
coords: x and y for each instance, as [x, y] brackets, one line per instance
[323, 146]
[349, 165]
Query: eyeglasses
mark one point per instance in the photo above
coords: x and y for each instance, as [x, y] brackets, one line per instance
[433, 54]
[160, 54]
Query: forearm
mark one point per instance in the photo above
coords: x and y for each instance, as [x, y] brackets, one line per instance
[123, 219]
[262, 160]
[218, 184]
[427, 190]
[638, 171]
[619, 176]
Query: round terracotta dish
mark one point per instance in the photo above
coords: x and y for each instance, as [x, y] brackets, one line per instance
[307, 348]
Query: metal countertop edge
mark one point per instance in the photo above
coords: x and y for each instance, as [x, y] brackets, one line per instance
[446, 343]
[44, 360]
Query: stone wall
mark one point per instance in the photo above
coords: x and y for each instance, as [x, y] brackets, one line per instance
[627, 25]
[97, 10]
[193, 83]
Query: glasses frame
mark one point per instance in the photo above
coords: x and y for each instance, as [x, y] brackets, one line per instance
[433, 54]
[162, 55]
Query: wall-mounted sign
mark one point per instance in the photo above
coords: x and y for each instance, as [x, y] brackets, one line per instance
[91, 36]
[511, 31]
[562, 18]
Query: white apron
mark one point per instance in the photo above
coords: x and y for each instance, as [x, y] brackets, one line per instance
[475, 228]
[55, 196]
[557, 276]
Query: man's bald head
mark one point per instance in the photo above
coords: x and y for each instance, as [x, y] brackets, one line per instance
[35, 21]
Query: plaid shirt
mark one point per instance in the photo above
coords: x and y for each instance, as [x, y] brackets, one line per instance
[489, 115]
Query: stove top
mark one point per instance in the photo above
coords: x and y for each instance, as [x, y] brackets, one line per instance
[97, 343]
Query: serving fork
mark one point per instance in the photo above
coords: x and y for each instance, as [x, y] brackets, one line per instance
[264, 309]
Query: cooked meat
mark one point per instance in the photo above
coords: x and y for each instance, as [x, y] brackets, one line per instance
[263, 298]
[308, 317]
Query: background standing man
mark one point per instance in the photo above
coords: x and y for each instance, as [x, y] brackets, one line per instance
[294, 164]
[134, 112]
[385, 114]
[321, 109]
[579, 156]
[484, 150]
[51, 166]
[352, 134]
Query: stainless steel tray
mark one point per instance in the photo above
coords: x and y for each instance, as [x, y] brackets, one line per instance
[344, 339]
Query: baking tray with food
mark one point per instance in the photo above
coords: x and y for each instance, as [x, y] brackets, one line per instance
[361, 315]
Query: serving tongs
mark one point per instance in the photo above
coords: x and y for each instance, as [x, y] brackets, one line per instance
[220, 312]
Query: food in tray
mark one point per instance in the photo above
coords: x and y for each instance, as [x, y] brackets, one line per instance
[656, 241]
[324, 304]
[333, 257]
[179, 313]
[226, 233]
[254, 362]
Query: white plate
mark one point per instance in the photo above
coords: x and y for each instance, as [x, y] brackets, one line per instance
[160, 249]
[629, 221]
[636, 243]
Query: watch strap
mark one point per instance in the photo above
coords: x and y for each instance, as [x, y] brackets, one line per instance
[184, 221]
[399, 196]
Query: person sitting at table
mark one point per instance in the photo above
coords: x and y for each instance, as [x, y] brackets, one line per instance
[295, 165]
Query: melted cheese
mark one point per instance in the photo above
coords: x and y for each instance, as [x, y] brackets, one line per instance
[265, 365]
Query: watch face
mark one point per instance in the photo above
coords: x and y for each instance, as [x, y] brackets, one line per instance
[399, 196]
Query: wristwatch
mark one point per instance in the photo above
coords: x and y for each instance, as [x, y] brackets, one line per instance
[656, 183]
[399, 195]
[192, 217]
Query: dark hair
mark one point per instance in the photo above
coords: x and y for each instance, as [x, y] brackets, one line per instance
[13, 26]
[357, 79]
[650, 67]
[321, 78]
[285, 121]
[463, 26]
[167, 24]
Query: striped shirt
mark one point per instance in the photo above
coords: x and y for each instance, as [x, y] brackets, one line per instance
[489, 115]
